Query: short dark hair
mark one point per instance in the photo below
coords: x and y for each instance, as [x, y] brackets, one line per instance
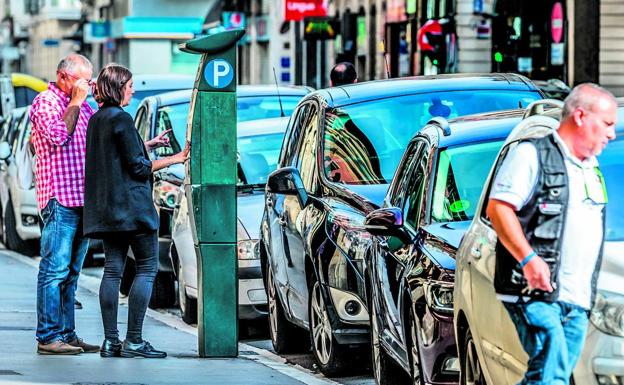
[110, 85]
[343, 73]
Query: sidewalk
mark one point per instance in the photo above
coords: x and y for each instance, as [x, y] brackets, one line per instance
[20, 364]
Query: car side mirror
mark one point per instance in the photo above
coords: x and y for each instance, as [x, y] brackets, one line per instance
[387, 221]
[5, 150]
[287, 181]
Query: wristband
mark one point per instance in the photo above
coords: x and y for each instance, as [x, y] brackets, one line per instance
[527, 259]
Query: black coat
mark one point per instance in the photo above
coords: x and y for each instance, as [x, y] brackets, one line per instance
[118, 177]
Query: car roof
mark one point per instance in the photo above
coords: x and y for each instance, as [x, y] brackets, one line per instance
[184, 96]
[381, 89]
[262, 127]
[150, 82]
[494, 125]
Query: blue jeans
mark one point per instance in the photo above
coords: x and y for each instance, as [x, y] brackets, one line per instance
[552, 334]
[63, 249]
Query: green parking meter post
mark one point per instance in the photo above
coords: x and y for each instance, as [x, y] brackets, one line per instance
[210, 188]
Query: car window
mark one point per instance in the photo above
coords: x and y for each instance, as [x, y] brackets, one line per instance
[612, 166]
[461, 173]
[294, 136]
[401, 180]
[306, 156]
[499, 163]
[412, 205]
[141, 123]
[172, 118]
[366, 140]
[264, 107]
[257, 157]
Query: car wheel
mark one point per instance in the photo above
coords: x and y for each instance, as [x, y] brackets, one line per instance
[331, 357]
[13, 240]
[188, 305]
[163, 293]
[471, 373]
[285, 337]
[385, 370]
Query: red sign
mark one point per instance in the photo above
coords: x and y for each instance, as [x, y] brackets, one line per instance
[556, 23]
[296, 10]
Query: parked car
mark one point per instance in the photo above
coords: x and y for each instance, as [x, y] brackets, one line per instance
[18, 201]
[411, 261]
[259, 143]
[489, 356]
[169, 111]
[340, 152]
[151, 84]
[553, 88]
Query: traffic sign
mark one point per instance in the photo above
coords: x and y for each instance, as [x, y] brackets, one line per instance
[219, 73]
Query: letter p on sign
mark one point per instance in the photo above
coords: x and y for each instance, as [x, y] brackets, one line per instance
[219, 73]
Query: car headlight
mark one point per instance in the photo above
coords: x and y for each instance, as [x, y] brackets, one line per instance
[249, 249]
[439, 296]
[608, 313]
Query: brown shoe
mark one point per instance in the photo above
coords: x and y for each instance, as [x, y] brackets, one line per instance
[87, 348]
[58, 347]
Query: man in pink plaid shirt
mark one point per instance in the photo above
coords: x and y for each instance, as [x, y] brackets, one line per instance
[59, 126]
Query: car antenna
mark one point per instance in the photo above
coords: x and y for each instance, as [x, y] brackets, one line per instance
[278, 93]
[385, 55]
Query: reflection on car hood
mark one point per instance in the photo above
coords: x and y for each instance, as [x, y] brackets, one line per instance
[249, 211]
[610, 278]
[448, 236]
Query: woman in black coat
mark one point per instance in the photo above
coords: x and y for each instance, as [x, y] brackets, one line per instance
[119, 210]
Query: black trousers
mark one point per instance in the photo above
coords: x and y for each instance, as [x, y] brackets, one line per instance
[145, 249]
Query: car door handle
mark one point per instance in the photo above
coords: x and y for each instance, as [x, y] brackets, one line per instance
[475, 252]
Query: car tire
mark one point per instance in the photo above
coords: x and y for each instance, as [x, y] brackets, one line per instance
[188, 305]
[163, 292]
[385, 370]
[331, 357]
[128, 276]
[471, 372]
[285, 337]
[13, 241]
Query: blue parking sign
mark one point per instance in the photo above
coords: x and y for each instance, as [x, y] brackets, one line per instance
[219, 73]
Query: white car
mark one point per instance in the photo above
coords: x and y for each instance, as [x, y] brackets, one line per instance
[18, 201]
[259, 143]
[489, 349]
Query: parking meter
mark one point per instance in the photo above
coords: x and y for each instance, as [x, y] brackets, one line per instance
[210, 188]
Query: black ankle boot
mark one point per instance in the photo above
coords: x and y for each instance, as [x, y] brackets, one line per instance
[111, 348]
[142, 349]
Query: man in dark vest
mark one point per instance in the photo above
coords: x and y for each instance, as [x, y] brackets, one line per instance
[547, 206]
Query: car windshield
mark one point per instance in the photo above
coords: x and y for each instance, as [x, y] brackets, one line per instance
[612, 165]
[459, 180]
[257, 157]
[264, 107]
[364, 142]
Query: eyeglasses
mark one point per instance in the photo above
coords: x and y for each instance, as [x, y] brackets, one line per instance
[90, 82]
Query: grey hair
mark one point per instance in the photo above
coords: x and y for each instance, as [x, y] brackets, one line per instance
[70, 62]
[585, 95]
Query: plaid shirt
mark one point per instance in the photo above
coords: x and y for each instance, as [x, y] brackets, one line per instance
[60, 156]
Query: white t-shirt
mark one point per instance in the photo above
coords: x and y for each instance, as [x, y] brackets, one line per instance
[582, 235]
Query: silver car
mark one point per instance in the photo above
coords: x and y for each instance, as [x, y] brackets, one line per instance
[488, 345]
[259, 143]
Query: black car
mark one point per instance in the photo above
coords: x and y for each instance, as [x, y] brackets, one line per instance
[411, 261]
[340, 152]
